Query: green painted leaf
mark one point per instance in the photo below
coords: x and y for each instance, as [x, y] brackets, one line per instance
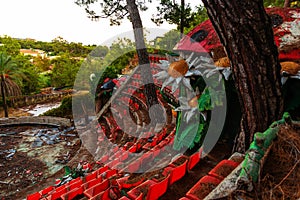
[204, 102]
[68, 170]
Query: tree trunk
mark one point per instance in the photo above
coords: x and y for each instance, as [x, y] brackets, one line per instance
[287, 3]
[4, 96]
[182, 23]
[246, 32]
[143, 58]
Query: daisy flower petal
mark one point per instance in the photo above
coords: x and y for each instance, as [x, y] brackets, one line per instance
[187, 84]
[189, 116]
[174, 87]
[196, 72]
[203, 115]
[167, 82]
[190, 57]
[161, 75]
[189, 73]
[164, 64]
[178, 80]
[226, 72]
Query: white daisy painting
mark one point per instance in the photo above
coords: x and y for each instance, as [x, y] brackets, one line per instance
[178, 72]
[189, 105]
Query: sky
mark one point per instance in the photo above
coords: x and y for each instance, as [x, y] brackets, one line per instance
[45, 20]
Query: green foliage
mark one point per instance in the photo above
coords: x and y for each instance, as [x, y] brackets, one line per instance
[29, 79]
[118, 49]
[10, 76]
[99, 51]
[33, 76]
[41, 64]
[67, 104]
[10, 46]
[295, 4]
[64, 71]
[117, 58]
[115, 10]
[168, 41]
[30, 84]
[280, 3]
[44, 80]
[200, 16]
[171, 12]
[64, 110]
[58, 45]
[273, 3]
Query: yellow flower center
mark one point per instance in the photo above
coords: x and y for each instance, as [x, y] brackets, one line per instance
[193, 103]
[291, 68]
[223, 62]
[178, 68]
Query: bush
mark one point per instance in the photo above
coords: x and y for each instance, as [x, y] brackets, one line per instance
[64, 110]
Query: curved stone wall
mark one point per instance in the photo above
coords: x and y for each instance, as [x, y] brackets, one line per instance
[36, 120]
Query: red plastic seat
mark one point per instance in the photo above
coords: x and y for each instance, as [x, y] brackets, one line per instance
[133, 149]
[102, 196]
[184, 198]
[58, 193]
[194, 159]
[133, 166]
[194, 193]
[155, 151]
[47, 190]
[103, 159]
[111, 173]
[90, 176]
[147, 146]
[155, 189]
[35, 196]
[75, 183]
[112, 163]
[124, 156]
[97, 189]
[92, 182]
[146, 157]
[73, 193]
[227, 165]
[122, 183]
[101, 170]
[178, 172]
[124, 198]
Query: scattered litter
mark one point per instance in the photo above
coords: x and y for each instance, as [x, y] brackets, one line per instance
[11, 153]
[8, 134]
[37, 143]
[52, 136]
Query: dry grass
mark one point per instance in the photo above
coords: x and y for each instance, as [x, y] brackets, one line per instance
[280, 177]
[281, 173]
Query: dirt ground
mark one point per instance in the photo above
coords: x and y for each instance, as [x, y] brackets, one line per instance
[25, 171]
[15, 112]
[27, 167]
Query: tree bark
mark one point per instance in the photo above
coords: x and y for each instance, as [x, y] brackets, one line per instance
[182, 23]
[287, 3]
[245, 30]
[4, 96]
[143, 58]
